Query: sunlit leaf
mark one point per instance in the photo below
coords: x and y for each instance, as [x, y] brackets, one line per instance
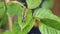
[33, 3]
[44, 29]
[20, 17]
[48, 18]
[28, 27]
[17, 29]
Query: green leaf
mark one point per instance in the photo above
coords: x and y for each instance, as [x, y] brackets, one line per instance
[48, 18]
[48, 4]
[3, 22]
[28, 27]
[12, 8]
[20, 17]
[33, 3]
[44, 29]
[2, 4]
[2, 9]
[17, 29]
[7, 32]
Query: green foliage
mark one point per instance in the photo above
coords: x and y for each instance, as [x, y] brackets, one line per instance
[7, 32]
[17, 30]
[47, 17]
[28, 27]
[12, 8]
[15, 27]
[33, 3]
[49, 23]
[47, 4]
[27, 19]
[3, 22]
[47, 29]
[2, 9]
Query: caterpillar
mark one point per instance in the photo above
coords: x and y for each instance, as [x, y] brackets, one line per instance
[24, 15]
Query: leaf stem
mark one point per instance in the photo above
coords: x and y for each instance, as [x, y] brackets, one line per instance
[9, 18]
[10, 23]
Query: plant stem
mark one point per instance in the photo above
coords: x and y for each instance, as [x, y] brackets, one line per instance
[9, 18]
[36, 23]
[7, 1]
[10, 23]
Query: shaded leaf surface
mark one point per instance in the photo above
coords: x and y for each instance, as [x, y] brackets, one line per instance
[48, 4]
[3, 22]
[12, 8]
[33, 3]
[2, 9]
